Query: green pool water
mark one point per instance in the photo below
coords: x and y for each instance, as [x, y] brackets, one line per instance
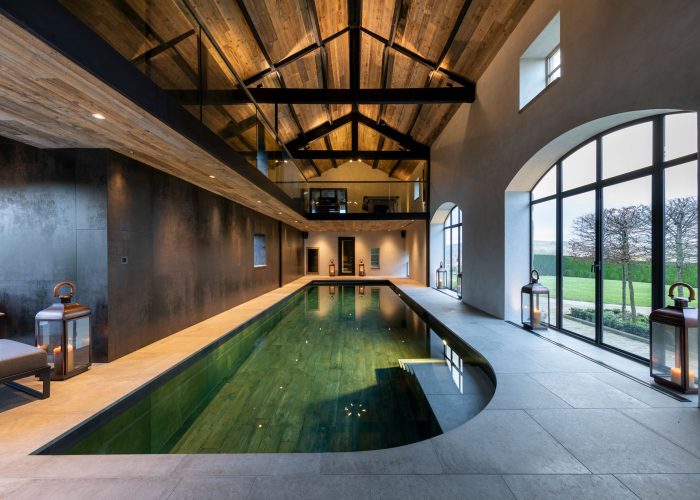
[321, 372]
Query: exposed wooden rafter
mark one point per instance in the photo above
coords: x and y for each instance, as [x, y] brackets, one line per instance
[436, 95]
[270, 63]
[402, 139]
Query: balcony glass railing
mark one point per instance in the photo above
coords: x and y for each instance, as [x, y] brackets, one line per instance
[166, 42]
[361, 197]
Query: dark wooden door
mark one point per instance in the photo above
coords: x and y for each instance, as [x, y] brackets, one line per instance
[346, 256]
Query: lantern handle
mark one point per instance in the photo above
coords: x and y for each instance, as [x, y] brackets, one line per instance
[535, 275]
[57, 289]
[691, 297]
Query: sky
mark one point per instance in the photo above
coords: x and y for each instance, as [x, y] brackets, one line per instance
[623, 151]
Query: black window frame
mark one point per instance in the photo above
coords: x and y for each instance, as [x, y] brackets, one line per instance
[448, 225]
[656, 172]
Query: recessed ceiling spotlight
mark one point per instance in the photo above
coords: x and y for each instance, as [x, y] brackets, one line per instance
[279, 213]
[131, 152]
[259, 201]
[212, 177]
[98, 116]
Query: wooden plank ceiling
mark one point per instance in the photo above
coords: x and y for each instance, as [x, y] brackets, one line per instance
[305, 44]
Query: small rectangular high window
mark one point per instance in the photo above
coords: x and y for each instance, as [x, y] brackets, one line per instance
[541, 63]
[259, 250]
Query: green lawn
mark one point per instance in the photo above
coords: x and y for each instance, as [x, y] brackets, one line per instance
[583, 289]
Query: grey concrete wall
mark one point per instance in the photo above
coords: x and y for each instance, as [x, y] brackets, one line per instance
[75, 214]
[52, 228]
[620, 60]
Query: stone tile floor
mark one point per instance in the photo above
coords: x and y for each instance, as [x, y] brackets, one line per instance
[559, 426]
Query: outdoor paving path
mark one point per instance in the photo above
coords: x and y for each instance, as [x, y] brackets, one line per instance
[559, 426]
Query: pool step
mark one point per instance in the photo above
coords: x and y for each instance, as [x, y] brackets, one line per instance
[452, 405]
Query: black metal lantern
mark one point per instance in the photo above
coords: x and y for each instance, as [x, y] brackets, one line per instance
[63, 331]
[362, 268]
[331, 269]
[674, 343]
[440, 276]
[534, 301]
[459, 285]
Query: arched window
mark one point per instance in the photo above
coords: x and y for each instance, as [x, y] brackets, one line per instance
[614, 223]
[452, 246]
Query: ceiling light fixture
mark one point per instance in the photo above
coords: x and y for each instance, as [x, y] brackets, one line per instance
[259, 201]
[212, 177]
[98, 116]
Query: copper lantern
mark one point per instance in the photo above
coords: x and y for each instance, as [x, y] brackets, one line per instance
[674, 343]
[63, 331]
[440, 276]
[534, 311]
[362, 268]
[331, 268]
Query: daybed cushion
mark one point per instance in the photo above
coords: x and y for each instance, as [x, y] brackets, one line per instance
[16, 357]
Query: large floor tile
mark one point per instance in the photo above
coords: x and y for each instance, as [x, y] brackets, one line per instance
[645, 394]
[418, 458]
[679, 425]
[95, 489]
[88, 466]
[447, 486]
[581, 390]
[520, 391]
[504, 442]
[205, 488]
[250, 464]
[608, 442]
[572, 487]
[663, 486]
[342, 487]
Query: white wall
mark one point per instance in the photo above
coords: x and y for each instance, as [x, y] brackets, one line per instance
[392, 255]
[385, 185]
[416, 248]
[622, 57]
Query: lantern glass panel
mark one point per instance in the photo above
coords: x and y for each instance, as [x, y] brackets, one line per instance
[49, 337]
[666, 352]
[693, 365]
[526, 308]
[78, 341]
[540, 310]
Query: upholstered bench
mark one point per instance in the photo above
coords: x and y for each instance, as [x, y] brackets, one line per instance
[19, 360]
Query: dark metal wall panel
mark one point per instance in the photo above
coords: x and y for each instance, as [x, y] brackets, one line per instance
[52, 228]
[189, 254]
[292, 254]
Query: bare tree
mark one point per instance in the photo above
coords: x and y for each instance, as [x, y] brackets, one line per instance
[681, 233]
[626, 237]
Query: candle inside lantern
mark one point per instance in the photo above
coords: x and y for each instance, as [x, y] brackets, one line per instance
[536, 321]
[57, 360]
[69, 358]
[676, 375]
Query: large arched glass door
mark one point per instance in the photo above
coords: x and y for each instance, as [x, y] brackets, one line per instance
[452, 246]
[614, 223]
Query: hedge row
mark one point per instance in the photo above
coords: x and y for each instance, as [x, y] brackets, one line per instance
[641, 271]
[612, 318]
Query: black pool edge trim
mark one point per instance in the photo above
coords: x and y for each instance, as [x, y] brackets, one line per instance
[61, 444]
[663, 391]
